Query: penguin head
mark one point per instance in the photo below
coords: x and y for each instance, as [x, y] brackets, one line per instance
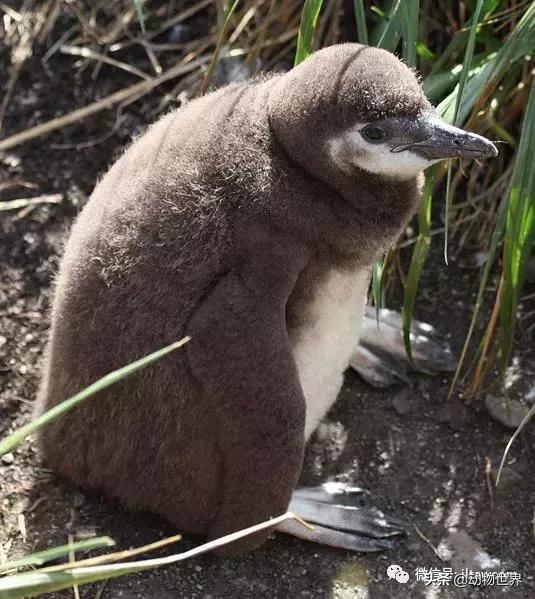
[353, 109]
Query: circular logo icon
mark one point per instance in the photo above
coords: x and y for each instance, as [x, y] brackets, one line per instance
[402, 577]
[392, 570]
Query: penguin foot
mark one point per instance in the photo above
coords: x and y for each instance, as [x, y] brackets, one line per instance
[342, 516]
[381, 359]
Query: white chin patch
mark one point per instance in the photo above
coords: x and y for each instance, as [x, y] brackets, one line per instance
[350, 150]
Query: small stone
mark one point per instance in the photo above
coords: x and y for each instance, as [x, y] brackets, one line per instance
[401, 402]
[510, 416]
[8, 458]
[179, 34]
[10, 160]
[3, 340]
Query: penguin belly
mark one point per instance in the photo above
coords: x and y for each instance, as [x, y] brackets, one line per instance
[327, 339]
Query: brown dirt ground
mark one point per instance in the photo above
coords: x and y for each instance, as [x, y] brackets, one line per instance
[436, 452]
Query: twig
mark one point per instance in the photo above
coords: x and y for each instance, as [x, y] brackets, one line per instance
[93, 141]
[182, 16]
[9, 91]
[484, 361]
[72, 559]
[424, 538]
[91, 54]
[488, 474]
[101, 590]
[114, 557]
[52, 198]
[17, 183]
[143, 87]
[16, 16]
[130, 567]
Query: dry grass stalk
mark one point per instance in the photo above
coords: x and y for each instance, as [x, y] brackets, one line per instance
[138, 89]
[53, 198]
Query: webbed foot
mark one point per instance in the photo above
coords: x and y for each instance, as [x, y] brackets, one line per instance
[342, 516]
[380, 357]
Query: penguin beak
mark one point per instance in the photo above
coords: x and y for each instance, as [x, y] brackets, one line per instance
[445, 141]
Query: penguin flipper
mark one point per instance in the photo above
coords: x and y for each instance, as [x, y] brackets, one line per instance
[241, 357]
[342, 516]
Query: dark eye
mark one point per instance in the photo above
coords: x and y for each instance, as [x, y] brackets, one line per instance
[373, 133]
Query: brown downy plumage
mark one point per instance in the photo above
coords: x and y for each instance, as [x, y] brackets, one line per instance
[220, 222]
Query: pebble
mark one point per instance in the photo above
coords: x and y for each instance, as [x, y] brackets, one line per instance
[8, 458]
[179, 34]
[401, 402]
[498, 409]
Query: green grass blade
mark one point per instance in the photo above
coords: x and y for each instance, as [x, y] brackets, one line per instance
[459, 39]
[520, 43]
[438, 85]
[391, 32]
[471, 94]
[410, 12]
[307, 29]
[18, 436]
[520, 229]
[116, 556]
[497, 236]
[467, 62]
[360, 18]
[42, 557]
[418, 258]
[33, 584]
[467, 65]
[140, 14]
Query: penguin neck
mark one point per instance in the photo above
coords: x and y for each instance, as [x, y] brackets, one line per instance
[359, 214]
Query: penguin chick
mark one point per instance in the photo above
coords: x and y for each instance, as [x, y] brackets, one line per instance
[249, 219]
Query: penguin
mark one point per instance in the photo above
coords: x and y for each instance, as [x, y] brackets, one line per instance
[248, 219]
